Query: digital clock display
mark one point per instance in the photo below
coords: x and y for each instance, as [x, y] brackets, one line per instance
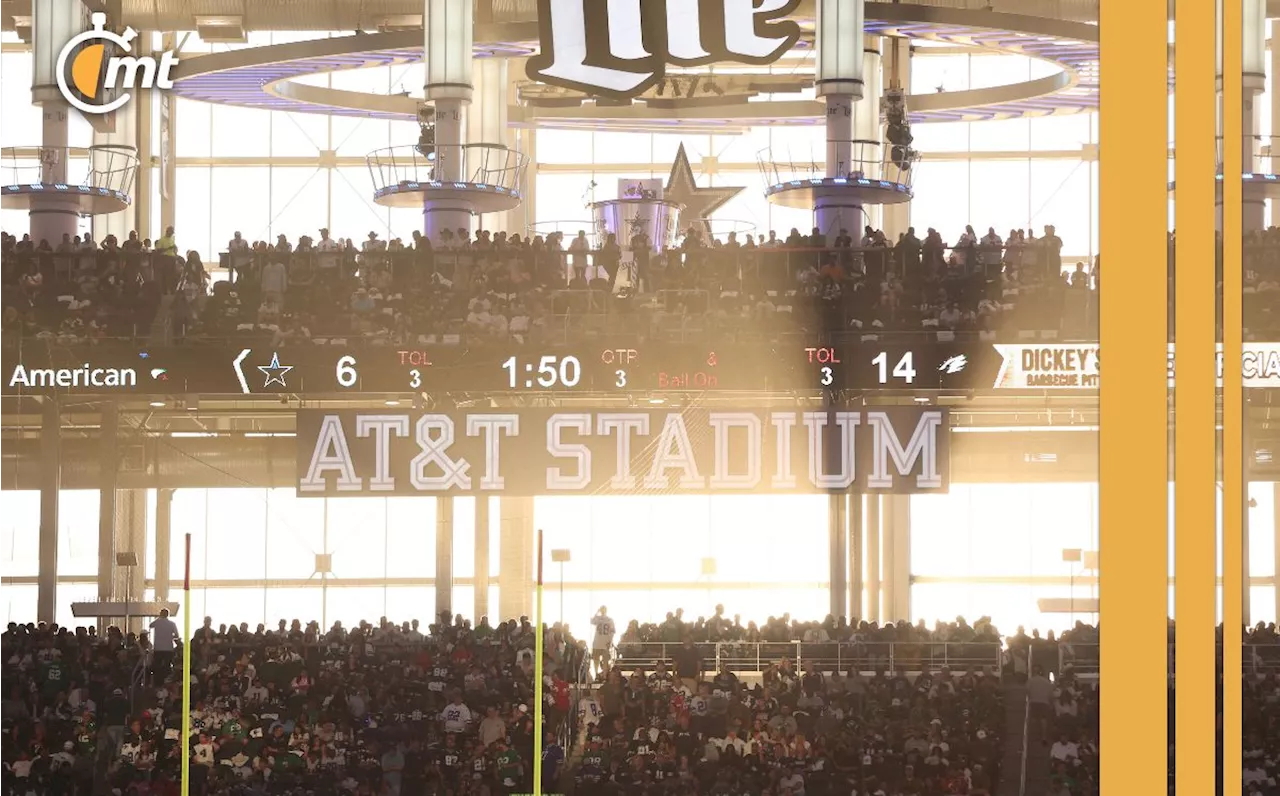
[867, 365]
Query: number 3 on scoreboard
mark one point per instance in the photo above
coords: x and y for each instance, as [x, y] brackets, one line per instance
[905, 369]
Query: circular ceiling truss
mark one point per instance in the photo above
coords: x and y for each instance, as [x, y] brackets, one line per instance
[270, 77]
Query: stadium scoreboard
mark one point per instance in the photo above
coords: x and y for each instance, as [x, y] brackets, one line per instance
[253, 368]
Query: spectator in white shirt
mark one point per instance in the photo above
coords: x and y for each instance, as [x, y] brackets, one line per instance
[1040, 694]
[1064, 749]
[164, 636]
[602, 639]
[255, 692]
[329, 253]
[456, 716]
[275, 280]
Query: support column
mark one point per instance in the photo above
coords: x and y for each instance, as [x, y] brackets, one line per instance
[840, 82]
[527, 144]
[869, 152]
[168, 158]
[1276, 535]
[896, 73]
[486, 123]
[143, 185]
[887, 555]
[515, 567]
[50, 486]
[896, 546]
[120, 141]
[53, 23]
[873, 558]
[838, 535]
[127, 583]
[108, 469]
[856, 516]
[448, 41]
[1245, 612]
[444, 556]
[164, 542]
[482, 559]
[1253, 53]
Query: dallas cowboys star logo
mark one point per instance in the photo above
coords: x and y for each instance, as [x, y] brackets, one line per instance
[275, 371]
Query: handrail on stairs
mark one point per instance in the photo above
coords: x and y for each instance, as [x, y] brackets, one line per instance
[1026, 729]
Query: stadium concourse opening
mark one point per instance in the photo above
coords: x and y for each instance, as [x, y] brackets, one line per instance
[754, 353]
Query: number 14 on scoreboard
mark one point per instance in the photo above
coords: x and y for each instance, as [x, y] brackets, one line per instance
[905, 369]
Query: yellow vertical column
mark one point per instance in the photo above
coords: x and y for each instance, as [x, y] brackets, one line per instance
[1133, 399]
[1233, 592]
[1195, 393]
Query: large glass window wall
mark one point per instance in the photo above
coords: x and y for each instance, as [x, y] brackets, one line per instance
[1011, 174]
[989, 548]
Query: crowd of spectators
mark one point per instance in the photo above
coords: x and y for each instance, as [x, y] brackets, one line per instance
[806, 729]
[390, 709]
[1261, 283]
[376, 709]
[535, 289]
[1260, 713]
[1065, 705]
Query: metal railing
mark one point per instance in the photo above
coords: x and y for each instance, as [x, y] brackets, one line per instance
[757, 656]
[1260, 154]
[106, 167]
[493, 165]
[729, 294]
[1026, 729]
[859, 159]
[1083, 659]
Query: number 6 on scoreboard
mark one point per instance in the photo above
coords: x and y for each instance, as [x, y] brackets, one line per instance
[905, 369]
[346, 371]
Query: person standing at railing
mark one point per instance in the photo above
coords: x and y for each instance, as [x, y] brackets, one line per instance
[933, 251]
[640, 247]
[688, 664]
[1040, 696]
[989, 250]
[238, 255]
[908, 254]
[328, 254]
[876, 261]
[602, 639]
[1051, 252]
[423, 260]
[166, 261]
[609, 258]
[578, 249]
[275, 281]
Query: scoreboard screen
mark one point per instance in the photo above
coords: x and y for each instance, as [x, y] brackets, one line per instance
[254, 368]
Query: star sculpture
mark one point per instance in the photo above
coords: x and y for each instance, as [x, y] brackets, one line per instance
[275, 371]
[699, 203]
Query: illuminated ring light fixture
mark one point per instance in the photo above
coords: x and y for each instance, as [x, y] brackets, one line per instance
[489, 176]
[1255, 186]
[266, 77]
[99, 179]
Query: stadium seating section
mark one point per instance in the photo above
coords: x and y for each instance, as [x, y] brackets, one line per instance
[544, 290]
[390, 709]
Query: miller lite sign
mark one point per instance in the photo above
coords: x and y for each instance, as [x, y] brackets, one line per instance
[618, 49]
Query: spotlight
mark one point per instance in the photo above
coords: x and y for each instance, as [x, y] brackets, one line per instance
[426, 141]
